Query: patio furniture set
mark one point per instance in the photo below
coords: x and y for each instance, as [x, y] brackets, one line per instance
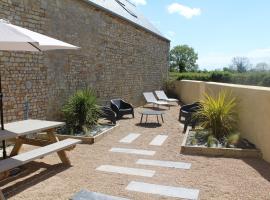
[118, 107]
[161, 100]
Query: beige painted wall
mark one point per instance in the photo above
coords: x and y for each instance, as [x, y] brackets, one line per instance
[253, 108]
[189, 91]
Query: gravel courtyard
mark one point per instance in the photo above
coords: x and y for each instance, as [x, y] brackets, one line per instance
[215, 178]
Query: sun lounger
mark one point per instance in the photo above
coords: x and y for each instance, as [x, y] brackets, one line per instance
[162, 96]
[151, 99]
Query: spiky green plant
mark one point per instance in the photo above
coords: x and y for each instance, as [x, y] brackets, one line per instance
[212, 141]
[232, 139]
[81, 110]
[218, 114]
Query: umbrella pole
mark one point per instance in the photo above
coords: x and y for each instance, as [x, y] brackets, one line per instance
[2, 118]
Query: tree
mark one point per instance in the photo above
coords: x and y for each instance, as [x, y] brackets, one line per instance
[262, 66]
[240, 64]
[228, 69]
[183, 58]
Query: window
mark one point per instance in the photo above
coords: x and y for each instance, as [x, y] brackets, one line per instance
[126, 8]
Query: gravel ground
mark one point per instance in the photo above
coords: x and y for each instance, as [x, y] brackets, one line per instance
[216, 178]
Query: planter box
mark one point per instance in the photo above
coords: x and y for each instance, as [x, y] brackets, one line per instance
[218, 152]
[84, 139]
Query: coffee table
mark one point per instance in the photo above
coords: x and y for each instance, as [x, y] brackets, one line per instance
[151, 112]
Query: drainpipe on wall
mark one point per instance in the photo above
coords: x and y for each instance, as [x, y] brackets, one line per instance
[26, 109]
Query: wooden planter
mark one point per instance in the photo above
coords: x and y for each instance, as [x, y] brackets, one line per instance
[84, 139]
[218, 152]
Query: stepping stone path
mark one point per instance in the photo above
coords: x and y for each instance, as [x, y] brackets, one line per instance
[133, 151]
[87, 195]
[160, 163]
[130, 138]
[163, 190]
[126, 170]
[155, 189]
[158, 140]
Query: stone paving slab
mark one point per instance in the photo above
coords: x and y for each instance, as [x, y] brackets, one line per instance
[158, 140]
[126, 170]
[130, 138]
[178, 192]
[133, 151]
[161, 163]
[87, 195]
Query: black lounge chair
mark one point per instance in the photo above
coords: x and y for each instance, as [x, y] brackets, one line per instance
[121, 108]
[186, 115]
[107, 113]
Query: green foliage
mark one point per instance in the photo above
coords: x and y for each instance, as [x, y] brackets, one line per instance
[220, 76]
[192, 76]
[212, 141]
[218, 114]
[248, 78]
[265, 81]
[183, 58]
[232, 139]
[81, 111]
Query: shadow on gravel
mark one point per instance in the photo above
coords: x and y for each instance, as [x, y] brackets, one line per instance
[261, 166]
[149, 125]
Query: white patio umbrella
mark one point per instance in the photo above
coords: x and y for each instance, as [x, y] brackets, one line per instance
[15, 38]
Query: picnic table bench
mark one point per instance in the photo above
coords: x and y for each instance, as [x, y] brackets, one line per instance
[19, 130]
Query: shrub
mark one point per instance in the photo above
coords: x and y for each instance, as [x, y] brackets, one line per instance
[212, 141]
[265, 81]
[218, 114]
[248, 78]
[81, 111]
[220, 76]
[232, 139]
[194, 76]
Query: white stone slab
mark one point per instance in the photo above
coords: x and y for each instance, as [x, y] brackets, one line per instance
[133, 151]
[130, 138]
[158, 140]
[126, 170]
[160, 163]
[163, 190]
[87, 195]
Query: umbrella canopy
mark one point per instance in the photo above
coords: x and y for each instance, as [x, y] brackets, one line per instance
[15, 38]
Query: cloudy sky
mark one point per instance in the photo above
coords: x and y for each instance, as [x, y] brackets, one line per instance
[217, 29]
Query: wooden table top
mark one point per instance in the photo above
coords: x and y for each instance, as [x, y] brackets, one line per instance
[26, 127]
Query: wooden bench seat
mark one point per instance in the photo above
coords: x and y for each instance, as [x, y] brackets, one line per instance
[29, 156]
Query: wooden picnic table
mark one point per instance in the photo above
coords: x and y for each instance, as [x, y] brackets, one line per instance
[20, 129]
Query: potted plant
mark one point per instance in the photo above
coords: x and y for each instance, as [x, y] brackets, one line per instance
[217, 134]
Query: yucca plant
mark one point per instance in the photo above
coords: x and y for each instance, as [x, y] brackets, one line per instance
[81, 110]
[218, 114]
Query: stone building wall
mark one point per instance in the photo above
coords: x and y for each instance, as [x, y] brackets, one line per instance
[24, 75]
[116, 58]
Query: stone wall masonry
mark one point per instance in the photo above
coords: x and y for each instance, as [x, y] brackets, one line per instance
[116, 59]
[24, 75]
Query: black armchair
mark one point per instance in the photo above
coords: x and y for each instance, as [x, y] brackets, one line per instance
[186, 115]
[121, 108]
[107, 113]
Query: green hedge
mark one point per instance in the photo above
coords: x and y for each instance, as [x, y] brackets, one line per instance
[249, 78]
